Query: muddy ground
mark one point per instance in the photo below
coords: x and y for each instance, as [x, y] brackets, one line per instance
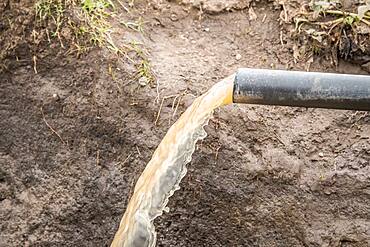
[73, 141]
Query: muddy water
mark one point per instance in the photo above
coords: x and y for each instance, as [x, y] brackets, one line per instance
[165, 170]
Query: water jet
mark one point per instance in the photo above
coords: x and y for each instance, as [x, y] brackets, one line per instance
[163, 173]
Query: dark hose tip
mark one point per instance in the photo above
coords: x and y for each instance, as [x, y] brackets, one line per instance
[302, 89]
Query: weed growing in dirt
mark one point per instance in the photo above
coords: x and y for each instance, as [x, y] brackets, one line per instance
[325, 27]
[54, 10]
[83, 24]
[143, 67]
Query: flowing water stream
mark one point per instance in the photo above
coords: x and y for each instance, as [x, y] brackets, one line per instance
[165, 170]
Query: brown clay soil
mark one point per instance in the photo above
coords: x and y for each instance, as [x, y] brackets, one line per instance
[264, 176]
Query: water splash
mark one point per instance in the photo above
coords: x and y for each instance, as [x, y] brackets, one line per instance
[162, 175]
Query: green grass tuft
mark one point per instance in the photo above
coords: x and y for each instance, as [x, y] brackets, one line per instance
[84, 24]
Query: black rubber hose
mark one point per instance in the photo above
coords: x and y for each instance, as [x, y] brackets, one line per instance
[302, 89]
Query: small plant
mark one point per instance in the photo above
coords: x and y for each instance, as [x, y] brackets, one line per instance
[51, 9]
[145, 71]
[326, 28]
[97, 6]
[86, 19]
[143, 67]
[84, 24]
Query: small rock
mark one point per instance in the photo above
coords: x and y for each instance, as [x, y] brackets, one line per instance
[56, 97]
[174, 17]
[143, 81]
[321, 154]
[206, 29]
[238, 57]
[252, 14]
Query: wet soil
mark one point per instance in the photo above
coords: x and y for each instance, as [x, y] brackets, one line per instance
[73, 142]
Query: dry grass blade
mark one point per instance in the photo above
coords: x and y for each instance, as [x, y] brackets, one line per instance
[51, 128]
